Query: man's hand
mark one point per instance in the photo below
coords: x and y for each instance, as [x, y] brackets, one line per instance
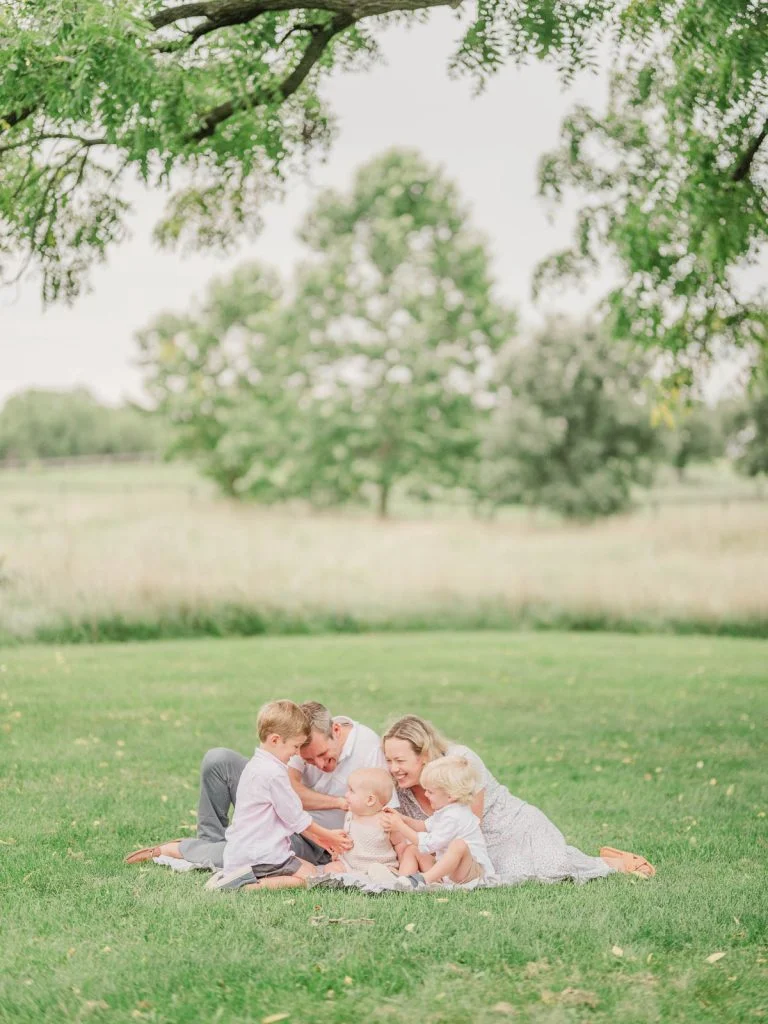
[337, 842]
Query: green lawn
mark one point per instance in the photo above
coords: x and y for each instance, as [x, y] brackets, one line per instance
[652, 744]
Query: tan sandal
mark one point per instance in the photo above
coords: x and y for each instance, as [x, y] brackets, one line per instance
[631, 863]
[147, 853]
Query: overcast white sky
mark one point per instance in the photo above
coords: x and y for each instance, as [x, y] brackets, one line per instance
[490, 144]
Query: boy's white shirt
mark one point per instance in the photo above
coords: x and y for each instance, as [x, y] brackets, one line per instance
[362, 749]
[267, 813]
[455, 821]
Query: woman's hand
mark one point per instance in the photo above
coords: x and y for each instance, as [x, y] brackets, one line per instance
[342, 804]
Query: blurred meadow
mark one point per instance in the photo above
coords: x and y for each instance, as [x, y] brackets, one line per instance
[101, 552]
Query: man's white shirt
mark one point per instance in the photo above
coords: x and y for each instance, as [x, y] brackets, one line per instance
[267, 813]
[362, 749]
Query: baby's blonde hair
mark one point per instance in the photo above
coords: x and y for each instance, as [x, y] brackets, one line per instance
[282, 718]
[420, 734]
[456, 776]
[377, 781]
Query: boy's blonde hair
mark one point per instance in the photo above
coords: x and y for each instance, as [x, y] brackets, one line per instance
[377, 781]
[422, 736]
[283, 718]
[456, 776]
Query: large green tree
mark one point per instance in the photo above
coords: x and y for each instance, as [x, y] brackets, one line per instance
[572, 430]
[398, 307]
[375, 368]
[221, 99]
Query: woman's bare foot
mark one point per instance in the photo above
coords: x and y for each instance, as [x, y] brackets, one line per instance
[628, 863]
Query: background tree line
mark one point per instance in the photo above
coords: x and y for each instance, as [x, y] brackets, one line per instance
[388, 361]
[40, 424]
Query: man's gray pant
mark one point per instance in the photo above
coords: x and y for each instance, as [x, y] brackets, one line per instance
[220, 773]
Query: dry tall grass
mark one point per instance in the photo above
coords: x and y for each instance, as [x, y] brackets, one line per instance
[147, 541]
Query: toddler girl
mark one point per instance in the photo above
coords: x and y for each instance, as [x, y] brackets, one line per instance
[448, 845]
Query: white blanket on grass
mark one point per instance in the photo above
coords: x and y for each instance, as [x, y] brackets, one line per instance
[347, 880]
[177, 865]
[362, 883]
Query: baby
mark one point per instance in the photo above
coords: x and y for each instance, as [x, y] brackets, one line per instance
[369, 790]
[448, 845]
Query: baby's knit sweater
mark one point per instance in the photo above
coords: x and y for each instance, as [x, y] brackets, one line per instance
[372, 844]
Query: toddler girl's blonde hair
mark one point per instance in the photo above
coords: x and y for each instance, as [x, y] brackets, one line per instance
[282, 718]
[456, 776]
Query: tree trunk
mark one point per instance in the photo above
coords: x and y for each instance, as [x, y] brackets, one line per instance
[384, 490]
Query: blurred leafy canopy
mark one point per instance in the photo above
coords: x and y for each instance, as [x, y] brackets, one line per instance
[377, 366]
[225, 96]
[572, 431]
[223, 93]
[673, 179]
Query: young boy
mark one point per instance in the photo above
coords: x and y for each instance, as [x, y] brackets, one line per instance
[448, 845]
[268, 812]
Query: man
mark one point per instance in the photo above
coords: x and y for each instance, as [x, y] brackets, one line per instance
[336, 748]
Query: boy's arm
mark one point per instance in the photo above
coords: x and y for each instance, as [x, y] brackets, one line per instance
[334, 840]
[312, 801]
[407, 827]
[417, 824]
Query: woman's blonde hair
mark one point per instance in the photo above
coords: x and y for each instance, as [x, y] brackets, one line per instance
[422, 735]
[456, 776]
[282, 718]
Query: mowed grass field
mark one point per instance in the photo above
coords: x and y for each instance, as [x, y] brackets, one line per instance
[149, 551]
[655, 744]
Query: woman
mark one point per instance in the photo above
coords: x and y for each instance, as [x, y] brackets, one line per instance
[522, 842]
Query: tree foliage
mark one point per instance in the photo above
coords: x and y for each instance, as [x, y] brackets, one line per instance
[221, 375]
[697, 435]
[749, 430]
[572, 430]
[377, 366]
[224, 94]
[39, 424]
[674, 176]
[220, 100]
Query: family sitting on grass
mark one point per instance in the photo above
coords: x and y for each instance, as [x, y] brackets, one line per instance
[325, 795]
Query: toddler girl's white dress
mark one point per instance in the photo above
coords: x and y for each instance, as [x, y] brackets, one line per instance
[456, 821]
[522, 842]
